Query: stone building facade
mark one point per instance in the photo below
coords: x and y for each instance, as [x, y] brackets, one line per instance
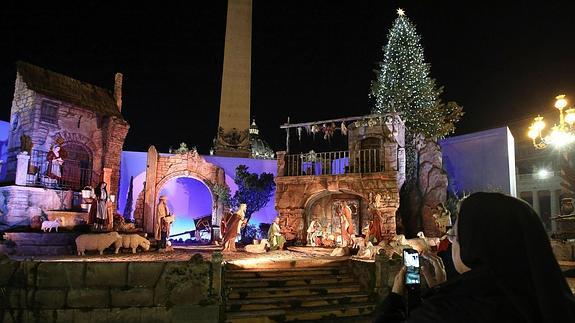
[160, 169]
[52, 109]
[373, 166]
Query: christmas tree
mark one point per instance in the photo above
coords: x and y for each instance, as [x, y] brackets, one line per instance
[403, 84]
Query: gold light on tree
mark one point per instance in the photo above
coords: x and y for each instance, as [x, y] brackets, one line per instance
[561, 135]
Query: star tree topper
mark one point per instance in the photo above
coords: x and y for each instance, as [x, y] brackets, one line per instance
[400, 12]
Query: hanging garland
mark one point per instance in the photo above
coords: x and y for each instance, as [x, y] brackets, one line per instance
[343, 129]
[314, 129]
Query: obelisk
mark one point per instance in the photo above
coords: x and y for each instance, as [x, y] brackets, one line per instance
[232, 138]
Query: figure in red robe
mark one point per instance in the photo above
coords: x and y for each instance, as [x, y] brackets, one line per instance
[347, 228]
[55, 163]
[231, 226]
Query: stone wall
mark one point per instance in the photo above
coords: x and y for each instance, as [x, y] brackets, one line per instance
[432, 184]
[102, 136]
[110, 292]
[19, 204]
[161, 169]
[295, 193]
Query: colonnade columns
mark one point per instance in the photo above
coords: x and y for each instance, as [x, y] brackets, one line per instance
[555, 211]
[536, 205]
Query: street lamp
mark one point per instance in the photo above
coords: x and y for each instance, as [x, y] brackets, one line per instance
[562, 134]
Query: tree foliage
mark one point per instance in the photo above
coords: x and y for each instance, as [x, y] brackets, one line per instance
[253, 189]
[403, 84]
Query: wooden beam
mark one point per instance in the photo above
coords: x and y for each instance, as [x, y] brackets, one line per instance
[303, 124]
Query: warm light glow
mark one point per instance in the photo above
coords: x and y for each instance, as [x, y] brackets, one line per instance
[560, 138]
[560, 101]
[561, 135]
[570, 116]
[532, 133]
[400, 12]
[538, 123]
[543, 174]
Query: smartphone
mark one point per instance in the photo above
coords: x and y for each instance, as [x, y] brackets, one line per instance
[412, 278]
[411, 262]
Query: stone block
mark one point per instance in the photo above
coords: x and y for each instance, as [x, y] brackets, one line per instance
[83, 315]
[16, 297]
[144, 274]
[7, 269]
[88, 298]
[64, 315]
[133, 297]
[48, 298]
[106, 274]
[209, 313]
[25, 275]
[121, 315]
[158, 315]
[60, 274]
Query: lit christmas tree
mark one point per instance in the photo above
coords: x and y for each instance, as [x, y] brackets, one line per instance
[403, 85]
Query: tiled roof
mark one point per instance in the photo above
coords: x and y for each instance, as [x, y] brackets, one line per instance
[64, 88]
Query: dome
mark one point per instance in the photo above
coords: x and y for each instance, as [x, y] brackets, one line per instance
[260, 148]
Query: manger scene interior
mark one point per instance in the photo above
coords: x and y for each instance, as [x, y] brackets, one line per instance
[242, 233]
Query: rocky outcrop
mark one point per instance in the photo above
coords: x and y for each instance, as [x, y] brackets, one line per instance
[419, 201]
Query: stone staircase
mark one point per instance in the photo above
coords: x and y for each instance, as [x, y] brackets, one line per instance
[324, 292]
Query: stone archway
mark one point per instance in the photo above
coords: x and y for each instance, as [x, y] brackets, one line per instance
[191, 200]
[322, 206]
[295, 193]
[161, 169]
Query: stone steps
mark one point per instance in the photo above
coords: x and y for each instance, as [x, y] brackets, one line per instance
[291, 272]
[290, 281]
[297, 293]
[295, 302]
[312, 313]
[265, 292]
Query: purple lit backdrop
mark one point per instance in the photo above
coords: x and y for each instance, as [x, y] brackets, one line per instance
[188, 199]
[134, 164]
[480, 161]
[4, 131]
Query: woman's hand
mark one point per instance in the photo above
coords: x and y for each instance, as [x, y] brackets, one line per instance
[399, 282]
[438, 275]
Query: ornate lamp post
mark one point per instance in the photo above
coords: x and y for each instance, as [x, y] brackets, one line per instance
[561, 135]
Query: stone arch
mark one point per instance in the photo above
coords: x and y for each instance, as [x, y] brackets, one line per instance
[346, 193]
[87, 143]
[183, 173]
[163, 168]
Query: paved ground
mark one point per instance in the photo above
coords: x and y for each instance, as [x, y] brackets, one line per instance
[184, 253]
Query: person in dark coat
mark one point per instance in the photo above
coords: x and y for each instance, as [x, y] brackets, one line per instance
[508, 272]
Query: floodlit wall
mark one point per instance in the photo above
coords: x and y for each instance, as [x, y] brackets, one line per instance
[481, 161]
[134, 164]
[4, 133]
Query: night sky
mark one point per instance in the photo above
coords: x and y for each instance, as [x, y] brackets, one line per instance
[311, 60]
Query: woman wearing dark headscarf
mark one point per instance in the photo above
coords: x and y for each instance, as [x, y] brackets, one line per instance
[508, 270]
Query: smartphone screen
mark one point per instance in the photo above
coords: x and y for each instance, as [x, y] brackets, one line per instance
[411, 261]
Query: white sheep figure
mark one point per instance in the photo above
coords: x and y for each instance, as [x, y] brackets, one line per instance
[98, 242]
[357, 242]
[48, 225]
[340, 252]
[258, 247]
[133, 241]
